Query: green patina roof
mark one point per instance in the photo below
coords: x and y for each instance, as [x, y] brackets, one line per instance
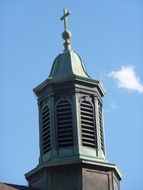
[68, 64]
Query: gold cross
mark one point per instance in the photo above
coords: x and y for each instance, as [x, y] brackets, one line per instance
[64, 17]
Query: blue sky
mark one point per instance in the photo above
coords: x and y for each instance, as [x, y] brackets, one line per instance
[108, 36]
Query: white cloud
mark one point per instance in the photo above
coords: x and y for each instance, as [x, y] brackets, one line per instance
[127, 78]
[113, 106]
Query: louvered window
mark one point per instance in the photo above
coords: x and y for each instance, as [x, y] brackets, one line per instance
[101, 125]
[46, 136]
[64, 124]
[87, 124]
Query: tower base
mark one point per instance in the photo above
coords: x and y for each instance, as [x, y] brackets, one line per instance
[79, 176]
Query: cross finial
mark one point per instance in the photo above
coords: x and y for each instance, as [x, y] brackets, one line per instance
[64, 17]
[66, 34]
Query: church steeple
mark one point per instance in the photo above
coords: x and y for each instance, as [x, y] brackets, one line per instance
[71, 120]
[71, 126]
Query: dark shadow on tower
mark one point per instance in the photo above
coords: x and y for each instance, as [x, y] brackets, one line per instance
[72, 146]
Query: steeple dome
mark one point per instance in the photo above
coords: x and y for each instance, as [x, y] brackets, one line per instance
[68, 64]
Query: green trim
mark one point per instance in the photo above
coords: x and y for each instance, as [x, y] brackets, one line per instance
[74, 160]
[51, 80]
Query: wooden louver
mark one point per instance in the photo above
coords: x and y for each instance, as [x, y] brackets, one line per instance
[87, 124]
[101, 126]
[64, 124]
[46, 136]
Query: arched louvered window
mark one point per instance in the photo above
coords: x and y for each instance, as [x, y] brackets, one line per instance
[87, 124]
[64, 124]
[101, 126]
[46, 131]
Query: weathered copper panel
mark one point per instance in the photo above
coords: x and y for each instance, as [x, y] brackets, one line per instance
[115, 184]
[94, 180]
[66, 177]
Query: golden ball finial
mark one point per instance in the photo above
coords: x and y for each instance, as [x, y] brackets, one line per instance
[66, 35]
